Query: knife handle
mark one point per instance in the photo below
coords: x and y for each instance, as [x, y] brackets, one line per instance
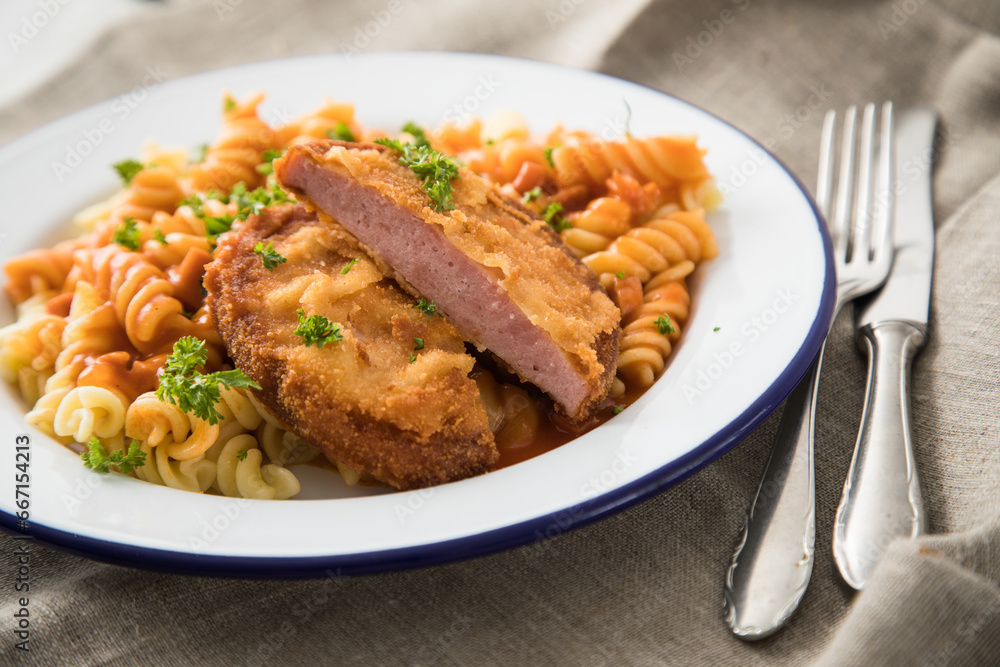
[881, 498]
[772, 563]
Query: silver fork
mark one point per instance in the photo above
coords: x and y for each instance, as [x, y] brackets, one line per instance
[771, 566]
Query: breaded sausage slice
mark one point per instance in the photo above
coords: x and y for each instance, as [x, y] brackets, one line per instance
[500, 274]
[392, 398]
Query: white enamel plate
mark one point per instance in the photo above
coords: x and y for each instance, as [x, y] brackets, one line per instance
[761, 311]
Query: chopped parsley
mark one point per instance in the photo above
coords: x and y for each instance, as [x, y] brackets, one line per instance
[127, 169]
[228, 103]
[552, 214]
[158, 236]
[241, 455]
[350, 265]
[269, 255]
[418, 134]
[317, 330]
[436, 169]
[341, 132]
[548, 155]
[127, 234]
[663, 325]
[198, 156]
[252, 202]
[620, 275]
[215, 226]
[413, 357]
[532, 194]
[97, 458]
[194, 392]
[617, 409]
[266, 167]
[716, 329]
[418, 343]
[427, 308]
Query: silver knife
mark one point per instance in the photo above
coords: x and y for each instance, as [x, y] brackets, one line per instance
[881, 498]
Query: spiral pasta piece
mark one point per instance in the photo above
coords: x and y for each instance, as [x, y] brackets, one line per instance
[666, 161]
[646, 338]
[89, 412]
[594, 228]
[242, 474]
[153, 189]
[239, 148]
[325, 122]
[195, 475]
[39, 271]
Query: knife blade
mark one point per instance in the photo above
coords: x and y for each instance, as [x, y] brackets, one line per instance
[881, 498]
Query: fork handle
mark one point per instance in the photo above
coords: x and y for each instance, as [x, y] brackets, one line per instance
[881, 498]
[771, 566]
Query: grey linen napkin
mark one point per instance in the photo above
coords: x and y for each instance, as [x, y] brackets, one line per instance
[642, 587]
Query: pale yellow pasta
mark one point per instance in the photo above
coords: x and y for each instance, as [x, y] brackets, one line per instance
[195, 475]
[89, 412]
[159, 424]
[43, 414]
[240, 473]
[284, 447]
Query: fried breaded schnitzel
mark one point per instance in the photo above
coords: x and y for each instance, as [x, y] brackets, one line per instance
[392, 398]
[498, 271]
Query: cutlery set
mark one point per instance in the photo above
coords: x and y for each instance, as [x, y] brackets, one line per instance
[883, 237]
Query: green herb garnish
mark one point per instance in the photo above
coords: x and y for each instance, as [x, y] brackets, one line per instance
[127, 234]
[317, 330]
[663, 325]
[194, 392]
[418, 343]
[127, 169]
[341, 132]
[552, 214]
[97, 458]
[548, 155]
[216, 226]
[255, 201]
[228, 104]
[427, 308]
[532, 194]
[620, 275]
[198, 156]
[350, 265]
[158, 236]
[617, 409]
[241, 455]
[436, 169]
[270, 256]
[266, 167]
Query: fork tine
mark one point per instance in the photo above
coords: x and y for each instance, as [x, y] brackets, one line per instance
[885, 218]
[827, 159]
[865, 204]
[845, 184]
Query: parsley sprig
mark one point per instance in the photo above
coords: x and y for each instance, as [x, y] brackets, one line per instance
[97, 458]
[342, 132]
[269, 255]
[127, 234]
[127, 169]
[552, 214]
[270, 155]
[663, 325]
[427, 308]
[436, 169]
[254, 201]
[192, 391]
[318, 330]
